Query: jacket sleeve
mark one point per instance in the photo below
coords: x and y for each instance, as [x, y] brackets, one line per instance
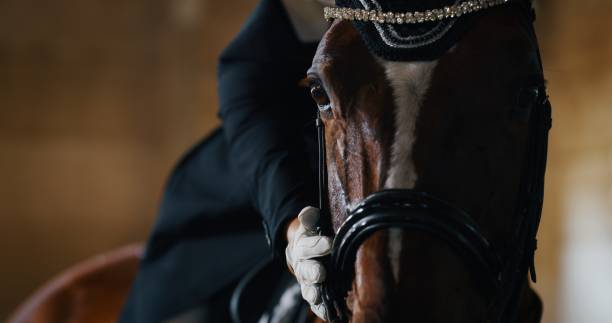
[265, 113]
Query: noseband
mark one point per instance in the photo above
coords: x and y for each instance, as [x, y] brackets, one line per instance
[409, 210]
[502, 279]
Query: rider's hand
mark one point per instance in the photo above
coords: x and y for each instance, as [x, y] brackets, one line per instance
[305, 245]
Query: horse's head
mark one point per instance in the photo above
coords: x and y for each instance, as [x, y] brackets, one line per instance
[455, 127]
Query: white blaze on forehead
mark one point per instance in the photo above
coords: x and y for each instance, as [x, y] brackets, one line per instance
[409, 81]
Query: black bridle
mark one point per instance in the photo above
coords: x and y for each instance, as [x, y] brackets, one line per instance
[502, 279]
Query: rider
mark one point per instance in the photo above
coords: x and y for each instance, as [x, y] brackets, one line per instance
[258, 165]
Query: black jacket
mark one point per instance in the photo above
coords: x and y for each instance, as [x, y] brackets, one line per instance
[267, 116]
[258, 165]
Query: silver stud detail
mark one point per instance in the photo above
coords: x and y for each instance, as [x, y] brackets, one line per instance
[433, 15]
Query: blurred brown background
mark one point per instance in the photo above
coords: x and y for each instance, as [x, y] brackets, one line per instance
[98, 99]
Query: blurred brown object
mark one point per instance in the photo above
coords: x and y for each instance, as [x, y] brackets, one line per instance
[93, 291]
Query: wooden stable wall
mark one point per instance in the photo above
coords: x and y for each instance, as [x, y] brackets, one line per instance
[98, 99]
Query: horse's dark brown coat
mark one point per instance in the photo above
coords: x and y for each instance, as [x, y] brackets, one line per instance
[469, 150]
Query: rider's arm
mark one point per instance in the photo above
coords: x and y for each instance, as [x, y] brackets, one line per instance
[265, 114]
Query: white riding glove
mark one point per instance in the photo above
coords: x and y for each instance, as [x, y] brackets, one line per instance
[307, 245]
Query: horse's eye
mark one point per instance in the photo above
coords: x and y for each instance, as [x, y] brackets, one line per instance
[319, 95]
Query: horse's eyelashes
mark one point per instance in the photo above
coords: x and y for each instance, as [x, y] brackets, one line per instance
[319, 95]
[325, 108]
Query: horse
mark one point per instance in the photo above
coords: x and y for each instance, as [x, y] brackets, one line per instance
[464, 133]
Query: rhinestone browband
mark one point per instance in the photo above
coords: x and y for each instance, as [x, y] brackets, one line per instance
[416, 17]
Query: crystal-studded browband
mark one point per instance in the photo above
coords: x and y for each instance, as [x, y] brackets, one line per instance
[415, 17]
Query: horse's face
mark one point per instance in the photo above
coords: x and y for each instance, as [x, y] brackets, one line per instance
[453, 127]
